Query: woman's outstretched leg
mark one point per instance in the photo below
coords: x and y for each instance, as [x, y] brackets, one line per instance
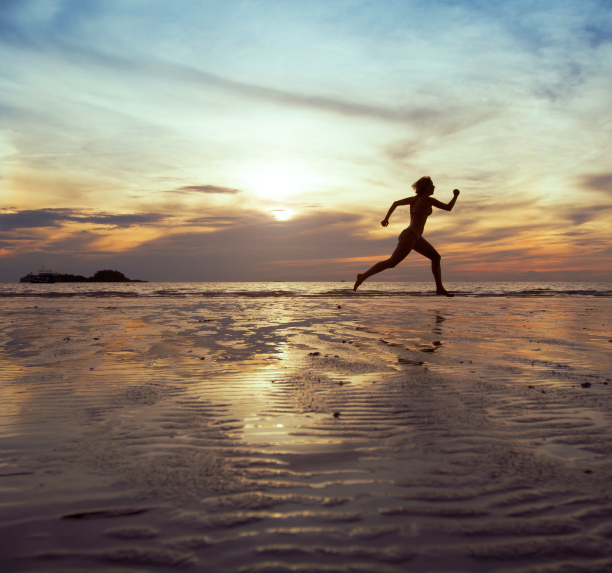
[401, 252]
[426, 249]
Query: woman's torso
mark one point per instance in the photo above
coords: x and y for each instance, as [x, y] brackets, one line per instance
[420, 209]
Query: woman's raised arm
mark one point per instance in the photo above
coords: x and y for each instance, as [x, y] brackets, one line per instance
[446, 206]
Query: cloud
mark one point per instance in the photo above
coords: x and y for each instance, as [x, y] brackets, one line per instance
[157, 69]
[214, 221]
[258, 251]
[38, 218]
[601, 182]
[581, 215]
[334, 105]
[313, 246]
[404, 150]
[205, 189]
[597, 35]
[482, 237]
[122, 221]
[31, 219]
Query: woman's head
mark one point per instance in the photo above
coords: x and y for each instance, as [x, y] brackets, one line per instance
[423, 185]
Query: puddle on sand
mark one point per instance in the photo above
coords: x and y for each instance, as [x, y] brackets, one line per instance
[565, 451]
[277, 429]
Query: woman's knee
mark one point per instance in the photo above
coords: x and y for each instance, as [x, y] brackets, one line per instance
[435, 257]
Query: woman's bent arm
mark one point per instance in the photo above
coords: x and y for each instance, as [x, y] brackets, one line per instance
[396, 204]
[446, 206]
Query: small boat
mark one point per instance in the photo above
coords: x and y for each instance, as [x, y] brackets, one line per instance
[43, 276]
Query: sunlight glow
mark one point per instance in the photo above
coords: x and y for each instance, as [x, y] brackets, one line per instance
[274, 182]
[281, 214]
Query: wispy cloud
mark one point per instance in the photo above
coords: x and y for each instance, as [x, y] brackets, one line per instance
[219, 221]
[599, 34]
[601, 182]
[580, 215]
[158, 69]
[212, 189]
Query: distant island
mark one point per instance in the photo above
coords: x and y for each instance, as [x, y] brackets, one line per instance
[105, 276]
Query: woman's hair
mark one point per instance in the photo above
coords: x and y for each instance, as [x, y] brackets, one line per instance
[422, 184]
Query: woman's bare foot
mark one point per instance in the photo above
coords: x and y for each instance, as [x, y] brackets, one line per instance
[444, 292]
[360, 279]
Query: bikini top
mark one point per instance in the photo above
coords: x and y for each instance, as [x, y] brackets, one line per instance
[414, 211]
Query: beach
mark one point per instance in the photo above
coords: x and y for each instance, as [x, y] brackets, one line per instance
[154, 428]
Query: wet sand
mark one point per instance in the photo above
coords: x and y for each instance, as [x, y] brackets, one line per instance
[293, 435]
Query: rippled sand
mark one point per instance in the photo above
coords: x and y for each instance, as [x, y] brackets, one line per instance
[282, 435]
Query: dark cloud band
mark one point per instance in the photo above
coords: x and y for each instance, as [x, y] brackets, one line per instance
[37, 218]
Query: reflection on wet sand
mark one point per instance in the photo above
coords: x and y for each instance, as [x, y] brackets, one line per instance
[294, 435]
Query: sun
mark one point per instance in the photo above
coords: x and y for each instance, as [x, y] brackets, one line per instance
[274, 182]
[282, 214]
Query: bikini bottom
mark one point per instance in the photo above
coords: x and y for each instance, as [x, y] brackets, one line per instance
[405, 232]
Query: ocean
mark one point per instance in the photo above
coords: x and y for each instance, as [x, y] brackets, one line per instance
[305, 289]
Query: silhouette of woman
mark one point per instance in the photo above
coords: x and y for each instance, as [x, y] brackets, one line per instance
[410, 238]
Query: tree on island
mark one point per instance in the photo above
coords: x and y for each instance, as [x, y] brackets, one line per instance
[108, 276]
[73, 279]
[105, 276]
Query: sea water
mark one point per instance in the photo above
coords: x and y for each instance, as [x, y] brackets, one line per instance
[305, 289]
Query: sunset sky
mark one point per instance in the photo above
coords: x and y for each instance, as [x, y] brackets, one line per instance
[265, 140]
